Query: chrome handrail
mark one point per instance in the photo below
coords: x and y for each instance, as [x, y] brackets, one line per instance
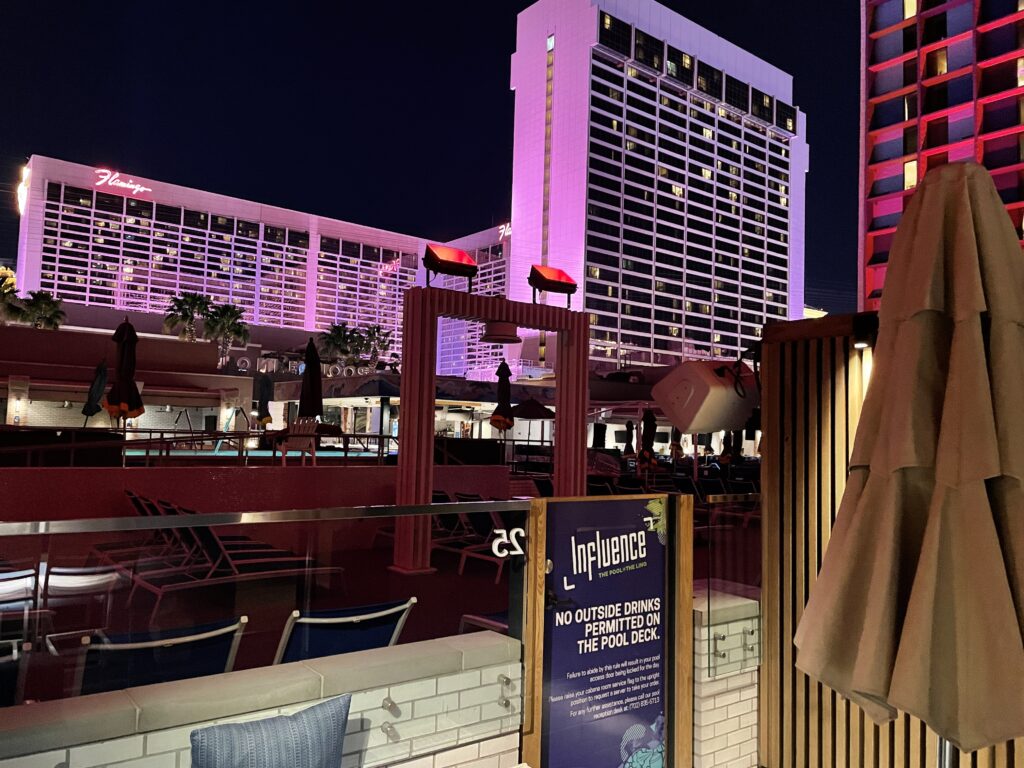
[107, 524]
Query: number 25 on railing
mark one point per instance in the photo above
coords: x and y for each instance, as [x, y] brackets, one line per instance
[508, 542]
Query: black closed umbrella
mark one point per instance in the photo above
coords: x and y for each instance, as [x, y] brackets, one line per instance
[649, 425]
[676, 445]
[629, 450]
[94, 399]
[502, 418]
[264, 394]
[311, 398]
[123, 399]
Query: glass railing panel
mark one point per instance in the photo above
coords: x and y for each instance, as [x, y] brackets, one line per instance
[241, 592]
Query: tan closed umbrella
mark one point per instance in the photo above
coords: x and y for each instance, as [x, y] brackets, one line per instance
[919, 606]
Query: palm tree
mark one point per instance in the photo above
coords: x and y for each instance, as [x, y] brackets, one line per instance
[184, 310]
[223, 324]
[343, 343]
[378, 342]
[11, 307]
[42, 310]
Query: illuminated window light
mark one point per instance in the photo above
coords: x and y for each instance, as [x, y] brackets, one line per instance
[22, 193]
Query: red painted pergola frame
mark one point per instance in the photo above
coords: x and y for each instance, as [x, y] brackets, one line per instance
[423, 307]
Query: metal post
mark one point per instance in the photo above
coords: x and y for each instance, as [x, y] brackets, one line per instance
[949, 755]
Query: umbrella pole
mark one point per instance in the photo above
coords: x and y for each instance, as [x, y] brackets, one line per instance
[948, 757]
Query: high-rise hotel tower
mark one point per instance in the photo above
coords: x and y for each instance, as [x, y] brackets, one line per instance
[943, 82]
[663, 168]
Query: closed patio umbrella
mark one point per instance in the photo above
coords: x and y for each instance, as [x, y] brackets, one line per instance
[94, 398]
[264, 394]
[502, 418]
[311, 398]
[919, 606]
[123, 399]
[676, 446]
[649, 427]
[628, 450]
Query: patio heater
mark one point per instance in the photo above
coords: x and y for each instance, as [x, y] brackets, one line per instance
[552, 280]
[445, 260]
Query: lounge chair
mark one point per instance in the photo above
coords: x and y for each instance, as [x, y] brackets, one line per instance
[342, 630]
[476, 545]
[114, 662]
[13, 666]
[221, 563]
[496, 622]
[302, 438]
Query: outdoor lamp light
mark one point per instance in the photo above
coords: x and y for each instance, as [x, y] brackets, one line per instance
[865, 330]
[500, 333]
[445, 260]
[553, 280]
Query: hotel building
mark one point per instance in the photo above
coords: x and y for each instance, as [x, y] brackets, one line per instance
[460, 352]
[943, 82]
[663, 169]
[103, 238]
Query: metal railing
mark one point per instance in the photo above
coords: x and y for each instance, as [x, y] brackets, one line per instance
[149, 446]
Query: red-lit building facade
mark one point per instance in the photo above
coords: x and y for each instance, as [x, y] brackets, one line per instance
[943, 82]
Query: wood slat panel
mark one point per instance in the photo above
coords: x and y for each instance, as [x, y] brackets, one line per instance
[801, 387]
[813, 390]
[770, 744]
[788, 671]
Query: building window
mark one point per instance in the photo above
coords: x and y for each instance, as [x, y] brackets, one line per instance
[648, 50]
[761, 105]
[785, 116]
[679, 66]
[737, 93]
[615, 34]
[909, 174]
[709, 80]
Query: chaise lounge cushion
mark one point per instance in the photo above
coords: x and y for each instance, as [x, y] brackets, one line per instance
[312, 738]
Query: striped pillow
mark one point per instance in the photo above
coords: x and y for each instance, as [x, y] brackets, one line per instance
[312, 738]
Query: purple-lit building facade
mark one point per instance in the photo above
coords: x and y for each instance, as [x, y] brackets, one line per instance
[942, 83]
[663, 168]
[98, 237]
[460, 352]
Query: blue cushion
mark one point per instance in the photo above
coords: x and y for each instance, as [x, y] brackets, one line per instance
[312, 738]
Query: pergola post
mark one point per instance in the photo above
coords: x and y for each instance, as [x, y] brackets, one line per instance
[415, 483]
[571, 396]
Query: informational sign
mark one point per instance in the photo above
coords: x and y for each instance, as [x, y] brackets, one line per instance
[605, 628]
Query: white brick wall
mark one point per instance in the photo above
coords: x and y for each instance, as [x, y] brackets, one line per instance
[452, 721]
[724, 649]
[726, 658]
[725, 721]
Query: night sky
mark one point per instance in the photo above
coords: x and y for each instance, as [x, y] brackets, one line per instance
[393, 115]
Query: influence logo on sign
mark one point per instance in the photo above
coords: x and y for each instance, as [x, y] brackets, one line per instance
[607, 552]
